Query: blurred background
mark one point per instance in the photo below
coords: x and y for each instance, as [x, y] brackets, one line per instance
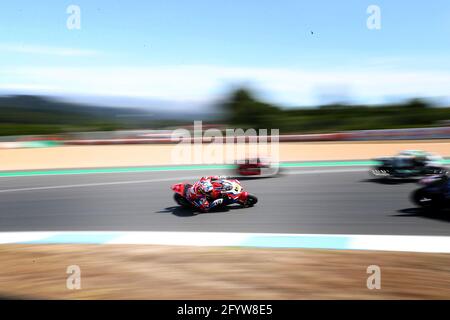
[297, 66]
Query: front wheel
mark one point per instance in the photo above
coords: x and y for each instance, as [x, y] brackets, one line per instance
[251, 201]
[424, 199]
[439, 171]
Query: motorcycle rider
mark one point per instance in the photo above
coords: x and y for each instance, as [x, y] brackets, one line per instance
[420, 162]
[206, 193]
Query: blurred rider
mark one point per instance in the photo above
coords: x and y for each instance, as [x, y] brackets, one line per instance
[206, 193]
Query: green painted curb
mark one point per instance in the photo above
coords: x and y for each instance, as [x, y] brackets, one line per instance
[38, 144]
[326, 164]
[307, 164]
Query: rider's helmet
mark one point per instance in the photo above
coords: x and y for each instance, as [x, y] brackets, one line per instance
[205, 187]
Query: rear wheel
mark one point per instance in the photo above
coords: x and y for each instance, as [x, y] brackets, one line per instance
[181, 201]
[379, 173]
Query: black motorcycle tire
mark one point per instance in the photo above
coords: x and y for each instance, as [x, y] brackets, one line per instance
[181, 201]
[419, 198]
[251, 200]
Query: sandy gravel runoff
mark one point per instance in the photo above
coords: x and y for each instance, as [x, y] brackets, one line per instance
[168, 272]
[146, 155]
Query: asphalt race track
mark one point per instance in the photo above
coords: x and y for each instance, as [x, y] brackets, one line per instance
[335, 200]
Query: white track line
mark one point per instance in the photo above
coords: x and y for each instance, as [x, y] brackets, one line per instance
[96, 184]
[326, 171]
[157, 180]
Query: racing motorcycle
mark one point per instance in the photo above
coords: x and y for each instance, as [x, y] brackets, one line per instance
[231, 193]
[435, 193]
[405, 167]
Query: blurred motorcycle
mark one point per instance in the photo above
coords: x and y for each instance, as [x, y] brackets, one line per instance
[435, 193]
[231, 192]
[405, 167]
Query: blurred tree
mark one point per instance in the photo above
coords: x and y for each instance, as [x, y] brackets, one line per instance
[417, 104]
[244, 110]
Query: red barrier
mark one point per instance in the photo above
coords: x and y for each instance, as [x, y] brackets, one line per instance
[361, 135]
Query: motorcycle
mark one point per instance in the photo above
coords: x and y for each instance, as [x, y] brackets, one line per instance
[404, 167]
[435, 193]
[231, 192]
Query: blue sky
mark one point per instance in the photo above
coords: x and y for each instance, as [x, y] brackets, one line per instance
[293, 52]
